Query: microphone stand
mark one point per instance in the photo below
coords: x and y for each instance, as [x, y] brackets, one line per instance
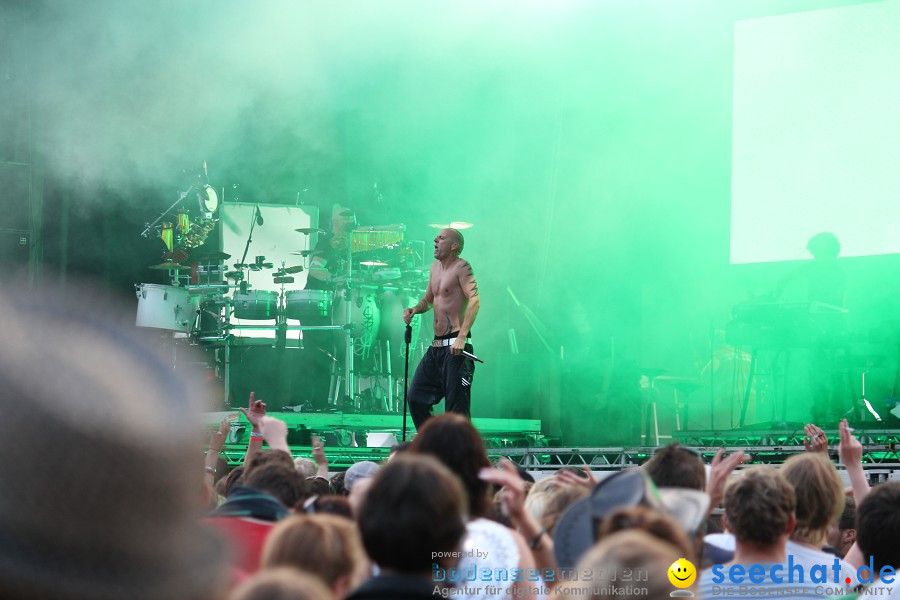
[250, 236]
[181, 197]
[407, 337]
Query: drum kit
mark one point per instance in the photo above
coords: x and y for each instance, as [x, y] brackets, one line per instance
[208, 303]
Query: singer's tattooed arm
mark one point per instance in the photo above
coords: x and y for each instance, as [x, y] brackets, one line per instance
[469, 286]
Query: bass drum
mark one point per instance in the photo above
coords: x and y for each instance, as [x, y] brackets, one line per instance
[365, 318]
[307, 305]
[393, 329]
[165, 307]
[255, 305]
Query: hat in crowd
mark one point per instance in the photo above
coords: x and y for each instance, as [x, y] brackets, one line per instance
[101, 458]
[361, 470]
[575, 532]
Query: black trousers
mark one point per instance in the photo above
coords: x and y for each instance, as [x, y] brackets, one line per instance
[441, 375]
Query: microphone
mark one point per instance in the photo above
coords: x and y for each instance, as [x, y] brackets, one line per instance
[472, 356]
[407, 336]
[259, 219]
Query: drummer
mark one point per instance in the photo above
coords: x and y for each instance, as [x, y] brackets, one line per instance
[327, 262]
[329, 256]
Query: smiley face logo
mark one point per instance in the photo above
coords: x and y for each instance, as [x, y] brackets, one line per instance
[682, 573]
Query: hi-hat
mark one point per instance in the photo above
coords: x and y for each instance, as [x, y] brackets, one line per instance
[309, 230]
[302, 252]
[292, 270]
[236, 275]
[167, 266]
[283, 280]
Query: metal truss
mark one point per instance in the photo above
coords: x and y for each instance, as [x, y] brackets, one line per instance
[881, 450]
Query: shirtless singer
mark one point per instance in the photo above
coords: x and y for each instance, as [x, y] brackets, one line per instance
[444, 371]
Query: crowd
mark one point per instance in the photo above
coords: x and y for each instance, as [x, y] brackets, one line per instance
[109, 492]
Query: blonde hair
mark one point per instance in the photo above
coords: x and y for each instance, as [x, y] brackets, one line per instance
[327, 545]
[819, 495]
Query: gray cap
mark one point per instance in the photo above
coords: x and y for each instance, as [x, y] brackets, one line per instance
[101, 457]
[361, 470]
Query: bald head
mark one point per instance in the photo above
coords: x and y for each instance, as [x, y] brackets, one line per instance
[457, 237]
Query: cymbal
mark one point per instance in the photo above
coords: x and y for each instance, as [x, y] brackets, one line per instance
[212, 256]
[236, 275]
[373, 263]
[309, 230]
[454, 225]
[291, 270]
[167, 266]
[302, 252]
[283, 280]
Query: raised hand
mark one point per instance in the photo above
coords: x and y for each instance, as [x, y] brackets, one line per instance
[217, 438]
[720, 469]
[849, 449]
[815, 440]
[588, 481]
[256, 409]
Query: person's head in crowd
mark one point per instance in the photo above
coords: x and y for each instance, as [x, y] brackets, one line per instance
[318, 486]
[537, 496]
[676, 466]
[278, 480]
[842, 534]
[226, 484]
[305, 466]
[399, 448]
[357, 480]
[414, 507]
[330, 504]
[337, 483]
[326, 545]
[557, 503]
[358, 471]
[282, 584]
[657, 524]
[759, 509]
[266, 456]
[878, 525]
[113, 512]
[818, 493]
[630, 550]
[454, 441]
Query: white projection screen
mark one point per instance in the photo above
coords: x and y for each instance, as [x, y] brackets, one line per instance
[275, 239]
[816, 132]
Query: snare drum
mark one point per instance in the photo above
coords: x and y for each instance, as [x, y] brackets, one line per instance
[165, 307]
[307, 304]
[255, 305]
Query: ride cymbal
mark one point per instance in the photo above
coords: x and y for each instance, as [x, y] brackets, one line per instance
[309, 230]
[212, 256]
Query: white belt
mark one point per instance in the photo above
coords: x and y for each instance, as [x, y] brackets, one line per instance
[444, 342]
